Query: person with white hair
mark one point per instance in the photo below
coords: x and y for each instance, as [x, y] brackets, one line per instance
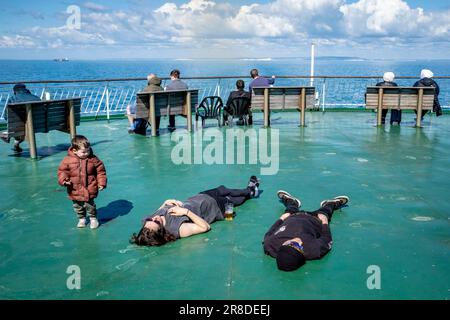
[396, 115]
[426, 81]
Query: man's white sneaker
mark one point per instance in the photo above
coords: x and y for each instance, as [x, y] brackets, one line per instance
[286, 196]
[338, 202]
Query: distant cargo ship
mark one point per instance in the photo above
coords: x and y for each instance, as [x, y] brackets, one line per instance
[61, 59]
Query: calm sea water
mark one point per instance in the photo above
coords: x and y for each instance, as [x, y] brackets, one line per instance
[338, 91]
[11, 70]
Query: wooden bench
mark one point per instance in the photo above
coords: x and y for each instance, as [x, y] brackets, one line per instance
[401, 98]
[283, 98]
[25, 119]
[160, 103]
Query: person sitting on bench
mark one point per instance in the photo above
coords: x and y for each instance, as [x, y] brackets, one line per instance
[240, 92]
[300, 235]
[175, 84]
[396, 115]
[176, 219]
[21, 94]
[139, 126]
[259, 82]
[426, 81]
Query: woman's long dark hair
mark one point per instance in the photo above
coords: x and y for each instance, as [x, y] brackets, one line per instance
[147, 237]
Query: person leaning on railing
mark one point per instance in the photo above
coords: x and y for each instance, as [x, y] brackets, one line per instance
[175, 84]
[396, 115]
[21, 94]
[426, 81]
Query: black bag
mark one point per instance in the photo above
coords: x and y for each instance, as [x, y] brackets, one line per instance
[140, 126]
[437, 106]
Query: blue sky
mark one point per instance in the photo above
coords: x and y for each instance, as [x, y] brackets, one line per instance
[391, 29]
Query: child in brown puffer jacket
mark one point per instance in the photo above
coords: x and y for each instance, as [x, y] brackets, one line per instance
[83, 174]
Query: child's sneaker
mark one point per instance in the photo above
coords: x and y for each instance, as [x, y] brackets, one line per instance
[94, 223]
[81, 223]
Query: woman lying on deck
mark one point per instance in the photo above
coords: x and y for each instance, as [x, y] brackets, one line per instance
[176, 219]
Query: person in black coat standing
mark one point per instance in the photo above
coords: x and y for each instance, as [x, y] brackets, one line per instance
[300, 235]
[426, 81]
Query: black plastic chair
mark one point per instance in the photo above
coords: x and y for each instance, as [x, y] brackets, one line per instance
[210, 108]
[239, 108]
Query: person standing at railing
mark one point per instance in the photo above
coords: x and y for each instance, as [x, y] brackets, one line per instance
[259, 82]
[21, 94]
[426, 81]
[175, 84]
[396, 115]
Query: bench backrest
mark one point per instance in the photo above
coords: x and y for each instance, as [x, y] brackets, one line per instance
[166, 103]
[283, 97]
[47, 115]
[399, 97]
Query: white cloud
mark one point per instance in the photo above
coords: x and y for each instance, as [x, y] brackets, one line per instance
[198, 5]
[392, 18]
[94, 6]
[275, 25]
[16, 41]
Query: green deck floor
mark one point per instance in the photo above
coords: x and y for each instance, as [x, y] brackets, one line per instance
[398, 218]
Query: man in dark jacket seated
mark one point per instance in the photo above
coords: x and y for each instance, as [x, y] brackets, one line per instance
[174, 84]
[240, 92]
[301, 235]
[426, 81]
[21, 94]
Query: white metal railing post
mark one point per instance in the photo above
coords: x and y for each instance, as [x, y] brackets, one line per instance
[323, 94]
[218, 88]
[312, 65]
[101, 100]
[107, 101]
[42, 93]
[4, 107]
[215, 90]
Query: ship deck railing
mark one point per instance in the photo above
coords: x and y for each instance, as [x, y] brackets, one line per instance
[111, 96]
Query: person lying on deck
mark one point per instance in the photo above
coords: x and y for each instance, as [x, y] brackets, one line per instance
[300, 235]
[176, 219]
